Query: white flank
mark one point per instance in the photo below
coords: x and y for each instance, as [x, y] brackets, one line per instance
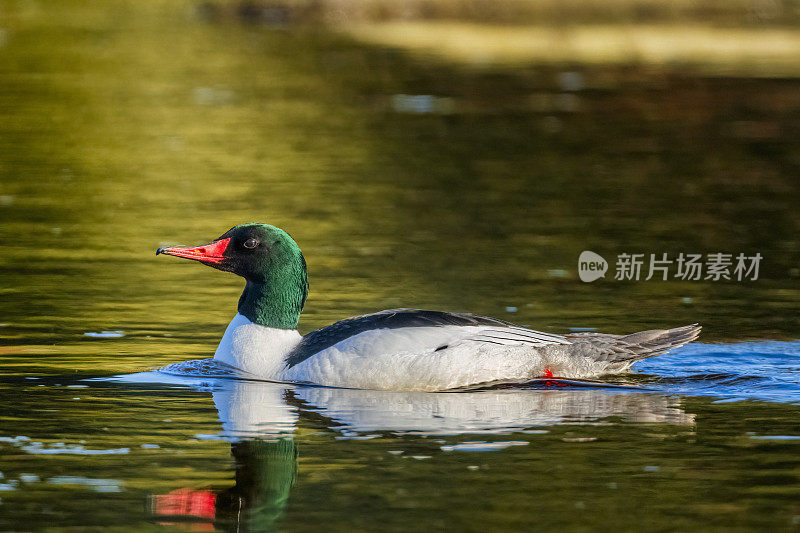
[407, 358]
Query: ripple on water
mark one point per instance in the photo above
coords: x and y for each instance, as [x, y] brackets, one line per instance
[482, 446]
[210, 368]
[38, 448]
[98, 485]
[765, 370]
[105, 334]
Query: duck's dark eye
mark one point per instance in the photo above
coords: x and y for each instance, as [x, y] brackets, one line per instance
[250, 243]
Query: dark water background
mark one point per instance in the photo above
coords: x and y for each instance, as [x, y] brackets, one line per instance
[125, 126]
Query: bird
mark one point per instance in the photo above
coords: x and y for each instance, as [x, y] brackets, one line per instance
[394, 349]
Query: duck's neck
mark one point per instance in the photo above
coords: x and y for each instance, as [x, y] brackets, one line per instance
[270, 306]
[275, 302]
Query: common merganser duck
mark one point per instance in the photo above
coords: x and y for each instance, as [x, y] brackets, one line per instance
[397, 349]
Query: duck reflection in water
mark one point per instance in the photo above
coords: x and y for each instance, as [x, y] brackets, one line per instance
[265, 465]
[259, 419]
[265, 471]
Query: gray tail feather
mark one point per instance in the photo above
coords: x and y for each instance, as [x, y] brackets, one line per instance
[659, 341]
[630, 348]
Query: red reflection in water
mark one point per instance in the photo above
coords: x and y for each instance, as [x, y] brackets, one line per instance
[187, 503]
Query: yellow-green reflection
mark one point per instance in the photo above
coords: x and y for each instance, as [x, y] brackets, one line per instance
[126, 125]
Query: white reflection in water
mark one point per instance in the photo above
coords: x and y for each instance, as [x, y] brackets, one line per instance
[254, 409]
[249, 409]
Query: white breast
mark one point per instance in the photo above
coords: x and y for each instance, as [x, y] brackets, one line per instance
[256, 349]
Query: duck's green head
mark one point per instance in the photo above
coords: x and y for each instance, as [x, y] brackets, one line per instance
[271, 262]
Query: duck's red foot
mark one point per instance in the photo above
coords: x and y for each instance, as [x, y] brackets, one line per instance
[547, 373]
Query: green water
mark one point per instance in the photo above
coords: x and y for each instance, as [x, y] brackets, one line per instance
[125, 126]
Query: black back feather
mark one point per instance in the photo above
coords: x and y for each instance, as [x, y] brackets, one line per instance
[316, 341]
